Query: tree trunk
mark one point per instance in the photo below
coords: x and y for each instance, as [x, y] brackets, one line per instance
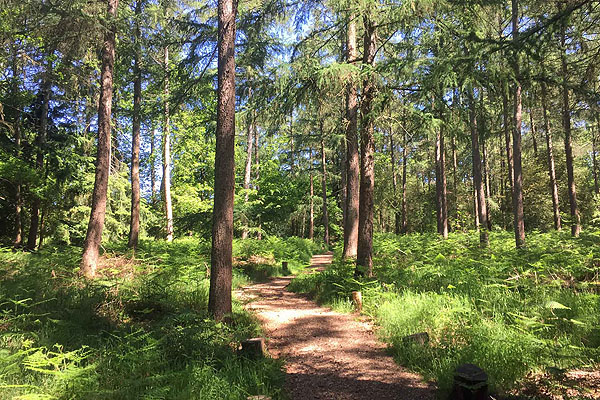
[352, 156]
[311, 217]
[42, 225]
[39, 161]
[167, 155]
[594, 155]
[292, 157]
[551, 166]
[134, 228]
[364, 252]
[477, 178]
[152, 165]
[518, 215]
[18, 233]
[486, 169]
[343, 180]
[475, 206]
[324, 188]
[533, 129]
[248, 167]
[257, 169]
[509, 156]
[440, 185]
[18, 240]
[219, 302]
[404, 225]
[454, 176]
[487, 180]
[575, 217]
[99, 196]
[394, 181]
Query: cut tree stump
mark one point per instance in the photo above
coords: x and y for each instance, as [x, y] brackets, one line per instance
[253, 348]
[470, 383]
[284, 268]
[357, 300]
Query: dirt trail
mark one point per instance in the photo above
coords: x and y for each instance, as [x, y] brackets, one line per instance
[328, 355]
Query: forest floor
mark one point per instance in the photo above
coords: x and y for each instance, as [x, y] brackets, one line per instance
[327, 355]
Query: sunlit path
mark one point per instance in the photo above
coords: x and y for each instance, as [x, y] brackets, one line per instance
[328, 355]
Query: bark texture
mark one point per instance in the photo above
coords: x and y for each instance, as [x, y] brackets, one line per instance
[248, 166]
[219, 302]
[507, 138]
[153, 165]
[311, 212]
[167, 155]
[39, 162]
[99, 196]
[518, 215]
[18, 232]
[575, 217]
[551, 164]
[364, 253]
[440, 185]
[394, 167]
[352, 156]
[404, 227]
[324, 188]
[257, 177]
[478, 186]
[134, 226]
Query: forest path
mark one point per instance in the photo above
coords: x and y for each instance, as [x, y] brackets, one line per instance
[327, 355]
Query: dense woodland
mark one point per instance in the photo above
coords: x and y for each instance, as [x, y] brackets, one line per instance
[402, 135]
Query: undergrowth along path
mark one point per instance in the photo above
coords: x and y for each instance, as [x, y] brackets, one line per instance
[327, 355]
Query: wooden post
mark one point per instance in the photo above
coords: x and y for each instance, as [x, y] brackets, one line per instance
[284, 268]
[470, 383]
[357, 300]
[253, 348]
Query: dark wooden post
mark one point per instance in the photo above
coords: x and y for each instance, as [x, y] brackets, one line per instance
[470, 383]
[253, 348]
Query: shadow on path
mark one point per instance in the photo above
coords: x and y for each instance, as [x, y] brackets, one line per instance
[328, 355]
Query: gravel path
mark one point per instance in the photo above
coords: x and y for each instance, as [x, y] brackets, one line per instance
[327, 355]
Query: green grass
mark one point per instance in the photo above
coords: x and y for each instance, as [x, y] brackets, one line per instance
[139, 331]
[261, 259]
[509, 311]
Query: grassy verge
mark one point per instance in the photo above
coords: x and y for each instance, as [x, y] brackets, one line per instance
[141, 330]
[513, 312]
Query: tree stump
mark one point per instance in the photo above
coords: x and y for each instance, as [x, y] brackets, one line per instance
[253, 348]
[470, 383]
[284, 268]
[420, 338]
[357, 300]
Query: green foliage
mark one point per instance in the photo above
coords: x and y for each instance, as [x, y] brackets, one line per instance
[509, 311]
[260, 259]
[139, 331]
